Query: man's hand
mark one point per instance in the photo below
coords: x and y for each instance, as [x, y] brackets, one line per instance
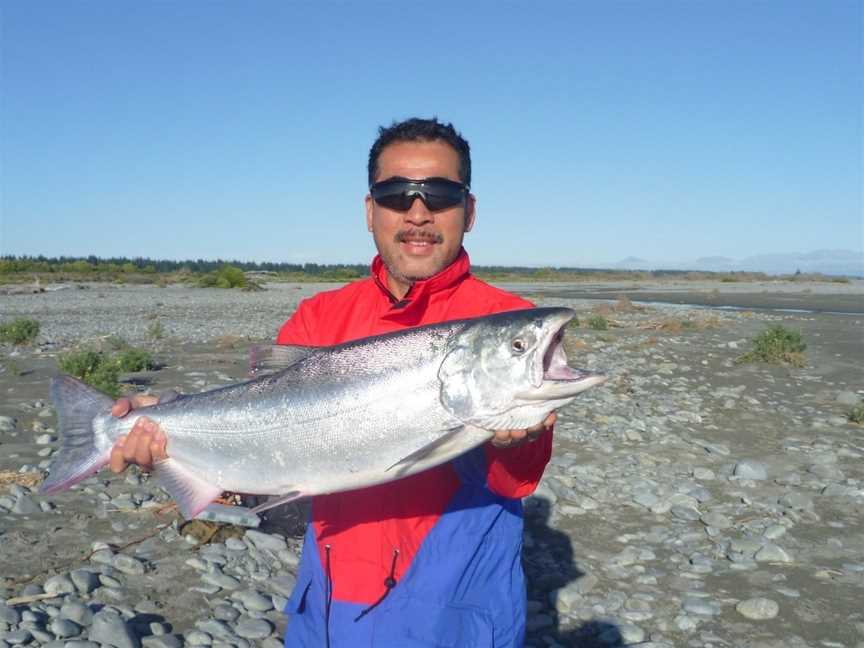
[513, 438]
[145, 443]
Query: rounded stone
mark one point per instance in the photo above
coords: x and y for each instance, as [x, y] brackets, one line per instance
[64, 628]
[85, 580]
[750, 469]
[198, 638]
[110, 628]
[128, 565]
[716, 520]
[253, 600]
[758, 609]
[253, 628]
[772, 553]
[18, 637]
[59, 585]
[77, 612]
[9, 615]
[700, 607]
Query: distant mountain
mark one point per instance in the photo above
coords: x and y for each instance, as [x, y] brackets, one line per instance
[829, 262]
[833, 262]
[633, 263]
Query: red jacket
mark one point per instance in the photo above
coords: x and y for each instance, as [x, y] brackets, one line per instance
[360, 528]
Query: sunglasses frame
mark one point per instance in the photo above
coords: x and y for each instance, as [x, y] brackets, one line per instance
[411, 189]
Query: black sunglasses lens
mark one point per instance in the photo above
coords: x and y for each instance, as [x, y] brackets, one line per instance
[437, 194]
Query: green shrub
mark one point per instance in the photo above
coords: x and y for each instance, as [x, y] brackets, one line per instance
[856, 414]
[101, 370]
[598, 323]
[227, 276]
[135, 360]
[19, 331]
[94, 368]
[574, 323]
[777, 345]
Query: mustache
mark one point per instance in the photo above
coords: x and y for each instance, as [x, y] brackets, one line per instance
[403, 236]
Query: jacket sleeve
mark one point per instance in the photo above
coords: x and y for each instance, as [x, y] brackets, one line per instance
[515, 472]
[296, 329]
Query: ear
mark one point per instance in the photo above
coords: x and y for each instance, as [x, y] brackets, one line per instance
[470, 211]
[370, 205]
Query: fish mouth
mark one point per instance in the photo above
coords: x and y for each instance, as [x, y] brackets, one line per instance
[558, 377]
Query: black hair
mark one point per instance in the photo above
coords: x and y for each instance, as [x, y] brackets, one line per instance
[421, 130]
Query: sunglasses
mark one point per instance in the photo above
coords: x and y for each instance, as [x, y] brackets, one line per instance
[437, 193]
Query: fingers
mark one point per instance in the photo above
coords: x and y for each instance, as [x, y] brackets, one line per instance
[144, 445]
[122, 406]
[513, 438]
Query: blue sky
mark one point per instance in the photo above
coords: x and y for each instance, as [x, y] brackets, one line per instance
[599, 130]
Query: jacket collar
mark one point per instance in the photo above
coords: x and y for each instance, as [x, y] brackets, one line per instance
[421, 290]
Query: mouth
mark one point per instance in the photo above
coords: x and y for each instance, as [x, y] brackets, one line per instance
[419, 239]
[558, 376]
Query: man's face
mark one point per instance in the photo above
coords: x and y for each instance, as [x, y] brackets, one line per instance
[418, 243]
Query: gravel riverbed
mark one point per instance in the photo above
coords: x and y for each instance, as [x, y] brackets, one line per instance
[691, 501]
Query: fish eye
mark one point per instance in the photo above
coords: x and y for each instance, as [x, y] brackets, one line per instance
[518, 345]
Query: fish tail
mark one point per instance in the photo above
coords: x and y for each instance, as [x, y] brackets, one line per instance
[77, 405]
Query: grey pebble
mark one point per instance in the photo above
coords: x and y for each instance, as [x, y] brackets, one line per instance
[128, 565]
[7, 423]
[282, 584]
[253, 600]
[700, 607]
[253, 628]
[758, 609]
[63, 628]
[9, 615]
[266, 541]
[750, 469]
[218, 579]
[77, 612]
[198, 638]
[235, 544]
[26, 505]
[848, 398]
[59, 585]
[716, 520]
[109, 628]
[85, 580]
[18, 637]
[215, 628]
[225, 613]
[162, 641]
[772, 553]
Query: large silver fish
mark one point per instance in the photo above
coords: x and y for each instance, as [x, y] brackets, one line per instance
[342, 417]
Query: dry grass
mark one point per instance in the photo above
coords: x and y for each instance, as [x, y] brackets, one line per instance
[675, 326]
[28, 479]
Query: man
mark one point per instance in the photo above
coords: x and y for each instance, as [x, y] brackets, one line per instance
[433, 559]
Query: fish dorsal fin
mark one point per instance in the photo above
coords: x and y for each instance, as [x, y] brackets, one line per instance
[453, 443]
[269, 358]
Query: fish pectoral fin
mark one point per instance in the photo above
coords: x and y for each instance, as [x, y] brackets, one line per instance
[278, 501]
[453, 443]
[191, 493]
[266, 358]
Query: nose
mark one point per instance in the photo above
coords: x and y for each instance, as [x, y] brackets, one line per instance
[418, 213]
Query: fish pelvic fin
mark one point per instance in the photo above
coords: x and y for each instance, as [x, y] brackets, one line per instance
[453, 443]
[191, 493]
[77, 405]
[273, 502]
